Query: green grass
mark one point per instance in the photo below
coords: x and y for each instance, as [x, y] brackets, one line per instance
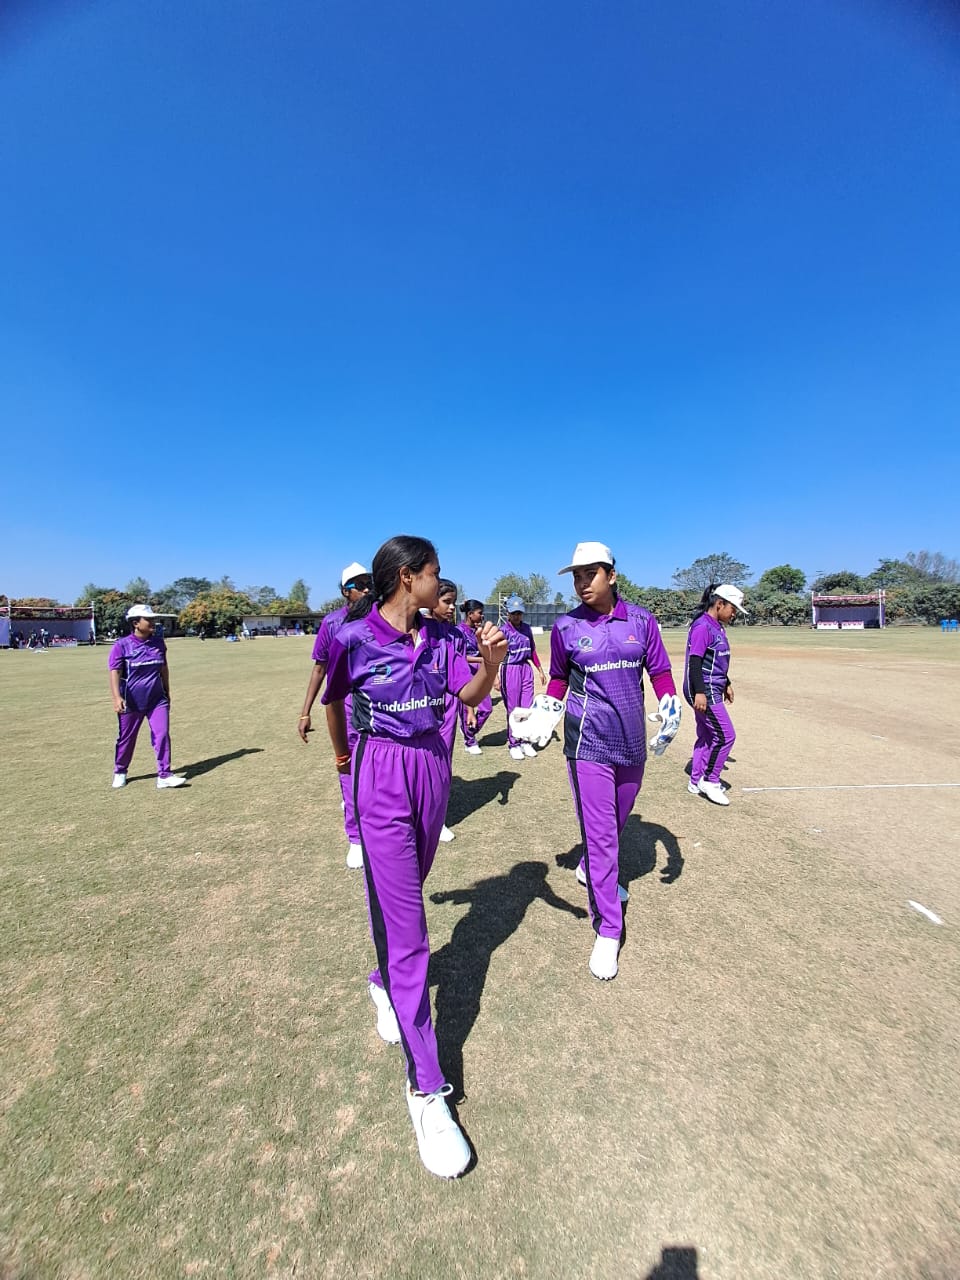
[192, 1084]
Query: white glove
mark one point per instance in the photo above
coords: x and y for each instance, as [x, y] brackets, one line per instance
[536, 724]
[668, 715]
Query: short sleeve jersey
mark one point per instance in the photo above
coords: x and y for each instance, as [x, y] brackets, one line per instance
[399, 688]
[601, 658]
[329, 626]
[140, 663]
[520, 644]
[708, 640]
[471, 645]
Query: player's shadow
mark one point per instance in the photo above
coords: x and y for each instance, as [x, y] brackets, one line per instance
[467, 795]
[205, 766]
[497, 739]
[459, 969]
[677, 1262]
[638, 852]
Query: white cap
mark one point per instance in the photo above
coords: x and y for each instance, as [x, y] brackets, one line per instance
[733, 595]
[352, 571]
[513, 604]
[140, 611]
[588, 553]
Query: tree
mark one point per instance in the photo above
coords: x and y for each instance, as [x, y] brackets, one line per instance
[224, 584]
[262, 597]
[716, 568]
[892, 573]
[783, 577]
[139, 588]
[559, 599]
[838, 583]
[933, 566]
[532, 590]
[299, 596]
[188, 588]
[217, 610]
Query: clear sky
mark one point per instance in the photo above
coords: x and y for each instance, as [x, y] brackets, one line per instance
[282, 279]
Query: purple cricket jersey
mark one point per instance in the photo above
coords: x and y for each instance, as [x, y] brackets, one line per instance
[399, 689]
[708, 641]
[601, 659]
[140, 663]
[331, 624]
[521, 645]
[471, 645]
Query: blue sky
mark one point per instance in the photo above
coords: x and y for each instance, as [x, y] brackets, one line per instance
[281, 280]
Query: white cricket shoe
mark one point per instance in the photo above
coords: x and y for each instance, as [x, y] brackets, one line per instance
[693, 788]
[443, 1148]
[355, 857]
[171, 780]
[516, 753]
[119, 780]
[474, 750]
[622, 893]
[388, 1029]
[603, 958]
[713, 791]
[446, 835]
[528, 749]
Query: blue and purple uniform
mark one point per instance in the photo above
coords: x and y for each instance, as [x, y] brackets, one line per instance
[141, 666]
[331, 624]
[448, 730]
[401, 782]
[516, 678]
[708, 674]
[471, 648]
[598, 660]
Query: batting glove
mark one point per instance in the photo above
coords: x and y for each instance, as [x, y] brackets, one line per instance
[536, 724]
[668, 716]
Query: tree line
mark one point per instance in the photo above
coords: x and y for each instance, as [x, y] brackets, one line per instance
[922, 585]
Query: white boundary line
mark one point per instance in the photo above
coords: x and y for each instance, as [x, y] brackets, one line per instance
[859, 786]
[924, 911]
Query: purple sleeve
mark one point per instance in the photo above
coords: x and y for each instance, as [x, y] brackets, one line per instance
[663, 683]
[321, 646]
[656, 659]
[338, 674]
[699, 639]
[115, 660]
[458, 670]
[559, 661]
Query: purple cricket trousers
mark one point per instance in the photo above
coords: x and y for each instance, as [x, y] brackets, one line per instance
[603, 795]
[401, 790]
[346, 790]
[715, 739]
[516, 685]
[483, 715]
[158, 718]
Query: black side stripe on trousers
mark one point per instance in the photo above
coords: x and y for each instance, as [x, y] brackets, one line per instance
[377, 922]
[595, 917]
[721, 742]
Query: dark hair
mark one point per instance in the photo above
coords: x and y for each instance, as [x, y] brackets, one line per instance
[468, 606]
[706, 600]
[445, 586]
[403, 551]
[345, 587]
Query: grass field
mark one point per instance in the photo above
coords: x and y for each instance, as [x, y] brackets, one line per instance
[191, 1080]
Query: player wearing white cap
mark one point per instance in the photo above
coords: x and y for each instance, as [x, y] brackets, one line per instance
[707, 687]
[140, 688]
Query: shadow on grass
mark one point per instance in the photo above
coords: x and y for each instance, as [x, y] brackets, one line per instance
[459, 969]
[205, 766]
[498, 739]
[638, 852]
[676, 1263]
[467, 795]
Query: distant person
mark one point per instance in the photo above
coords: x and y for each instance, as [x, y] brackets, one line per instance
[445, 615]
[399, 667]
[140, 686]
[707, 687]
[515, 681]
[598, 654]
[92, 639]
[355, 581]
[472, 719]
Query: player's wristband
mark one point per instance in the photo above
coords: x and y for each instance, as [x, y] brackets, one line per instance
[304, 717]
[342, 759]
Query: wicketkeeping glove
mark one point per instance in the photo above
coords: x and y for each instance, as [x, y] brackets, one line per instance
[668, 715]
[536, 724]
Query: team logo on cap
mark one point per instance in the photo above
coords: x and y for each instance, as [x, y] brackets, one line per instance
[585, 642]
